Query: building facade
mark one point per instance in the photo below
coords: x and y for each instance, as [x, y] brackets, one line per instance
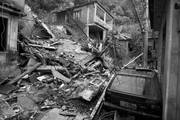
[11, 12]
[165, 16]
[91, 16]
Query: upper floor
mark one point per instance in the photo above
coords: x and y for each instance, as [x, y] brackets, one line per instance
[90, 13]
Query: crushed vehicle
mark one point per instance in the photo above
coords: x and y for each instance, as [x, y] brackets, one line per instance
[132, 95]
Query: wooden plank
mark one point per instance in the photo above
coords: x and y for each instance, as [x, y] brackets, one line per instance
[42, 46]
[48, 68]
[24, 73]
[58, 75]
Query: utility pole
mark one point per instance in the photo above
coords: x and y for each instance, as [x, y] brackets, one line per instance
[145, 35]
[144, 28]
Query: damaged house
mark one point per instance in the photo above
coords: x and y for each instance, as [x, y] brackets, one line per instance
[11, 12]
[91, 16]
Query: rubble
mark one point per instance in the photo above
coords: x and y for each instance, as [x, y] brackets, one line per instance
[54, 115]
[58, 79]
[58, 75]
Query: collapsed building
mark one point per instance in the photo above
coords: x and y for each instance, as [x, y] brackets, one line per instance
[92, 17]
[51, 72]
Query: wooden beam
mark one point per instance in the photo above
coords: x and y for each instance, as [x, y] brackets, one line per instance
[28, 71]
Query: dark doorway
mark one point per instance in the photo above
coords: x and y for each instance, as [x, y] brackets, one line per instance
[96, 33]
[3, 33]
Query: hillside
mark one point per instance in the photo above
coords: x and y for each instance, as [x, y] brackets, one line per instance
[125, 20]
[121, 9]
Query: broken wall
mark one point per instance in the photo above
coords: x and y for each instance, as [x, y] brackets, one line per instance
[8, 56]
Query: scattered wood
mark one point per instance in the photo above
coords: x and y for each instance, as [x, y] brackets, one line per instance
[91, 73]
[81, 117]
[47, 68]
[76, 75]
[29, 70]
[6, 89]
[53, 114]
[68, 73]
[87, 94]
[94, 65]
[31, 62]
[85, 61]
[58, 75]
[56, 43]
[47, 29]
[66, 113]
[97, 82]
[104, 50]
[6, 110]
[131, 61]
[42, 46]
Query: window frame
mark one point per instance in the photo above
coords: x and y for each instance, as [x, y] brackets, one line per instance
[99, 9]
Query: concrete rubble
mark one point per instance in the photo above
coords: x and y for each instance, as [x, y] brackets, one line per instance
[57, 79]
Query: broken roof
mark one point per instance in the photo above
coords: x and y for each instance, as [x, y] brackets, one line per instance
[85, 4]
[9, 6]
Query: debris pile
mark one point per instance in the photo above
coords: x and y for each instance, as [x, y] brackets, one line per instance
[57, 82]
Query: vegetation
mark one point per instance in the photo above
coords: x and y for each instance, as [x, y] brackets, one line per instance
[126, 21]
[43, 7]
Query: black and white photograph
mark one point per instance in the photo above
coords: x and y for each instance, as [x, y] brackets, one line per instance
[89, 59]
